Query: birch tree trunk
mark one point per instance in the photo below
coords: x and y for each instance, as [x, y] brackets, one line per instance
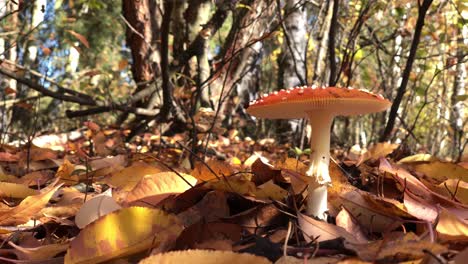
[320, 73]
[292, 64]
[458, 120]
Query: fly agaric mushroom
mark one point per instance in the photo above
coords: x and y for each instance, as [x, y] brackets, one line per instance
[320, 106]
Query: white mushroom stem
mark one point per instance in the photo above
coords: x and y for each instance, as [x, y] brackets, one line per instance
[319, 161]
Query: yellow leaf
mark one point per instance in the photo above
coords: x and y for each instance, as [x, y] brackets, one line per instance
[162, 184]
[377, 151]
[213, 169]
[64, 173]
[456, 188]
[14, 190]
[442, 171]
[416, 158]
[205, 257]
[451, 228]
[269, 190]
[127, 178]
[123, 233]
[28, 207]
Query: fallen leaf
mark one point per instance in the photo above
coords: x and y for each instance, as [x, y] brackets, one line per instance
[408, 182]
[453, 188]
[44, 252]
[322, 231]
[65, 173]
[15, 190]
[212, 207]
[378, 150]
[129, 177]
[196, 235]
[244, 187]
[396, 247]
[28, 208]
[162, 185]
[451, 228]
[416, 158]
[212, 169]
[345, 220]
[369, 212]
[138, 229]
[263, 172]
[441, 171]
[205, 257]
[95, 208]
[420, 208]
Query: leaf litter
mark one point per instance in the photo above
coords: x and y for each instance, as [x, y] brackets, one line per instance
[73, 202]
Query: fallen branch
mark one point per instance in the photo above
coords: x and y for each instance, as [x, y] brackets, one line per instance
[57, 95]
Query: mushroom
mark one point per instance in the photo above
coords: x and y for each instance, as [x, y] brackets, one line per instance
[320, 105]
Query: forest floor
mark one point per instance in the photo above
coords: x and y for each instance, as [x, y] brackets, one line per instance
[88, 197]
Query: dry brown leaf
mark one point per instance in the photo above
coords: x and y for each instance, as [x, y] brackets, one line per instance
[370, 213]
[420, 208]
[161, 184]
[345, 220]
[205, 257]
[263, 172]
[209, 235]
[28, 208]
[396, 247]
[212, 207]
[219, 169]
[315, 260]
[323, 231]
[44, 252]
[129, 177]
[410, 183]
[36, 178]
[269, 191]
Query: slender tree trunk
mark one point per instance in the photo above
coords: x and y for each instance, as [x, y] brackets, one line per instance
[292, 64]
[457, 118]
[422, 11]
[139, 37]
[38, 14]
[320, 73]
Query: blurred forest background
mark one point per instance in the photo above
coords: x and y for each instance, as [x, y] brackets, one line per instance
[191, 66]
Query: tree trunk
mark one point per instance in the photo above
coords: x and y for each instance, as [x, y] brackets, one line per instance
[422, 11]
[292, 64]
[320, 73]
[457, 118]
[139, 38]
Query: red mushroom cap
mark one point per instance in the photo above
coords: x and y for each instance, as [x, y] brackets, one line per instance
[297, 102]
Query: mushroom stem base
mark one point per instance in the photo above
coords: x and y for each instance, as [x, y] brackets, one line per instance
[317, 201]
